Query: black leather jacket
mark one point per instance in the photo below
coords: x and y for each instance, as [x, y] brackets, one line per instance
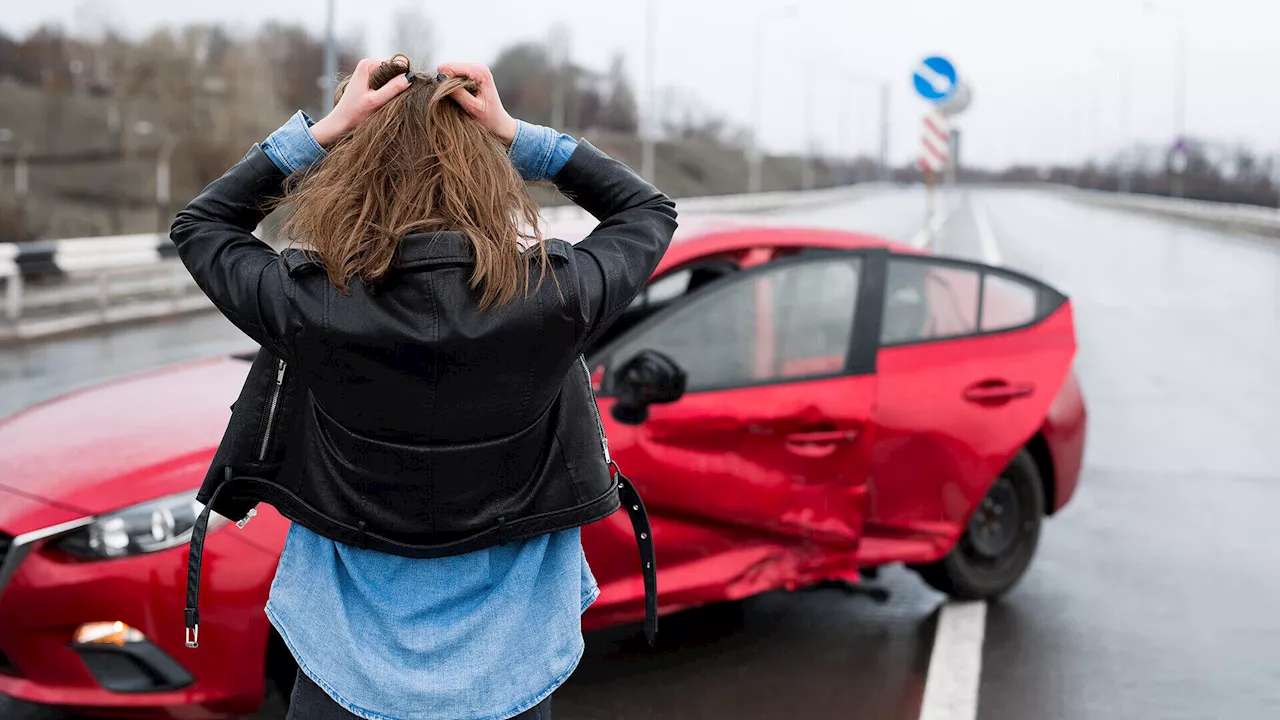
[401, 417]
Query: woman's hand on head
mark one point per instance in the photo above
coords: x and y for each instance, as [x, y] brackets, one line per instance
[358, 102]
[485, 105]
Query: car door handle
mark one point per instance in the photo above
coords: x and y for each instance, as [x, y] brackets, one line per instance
[823, 436]
[997, 391]
[818, 443]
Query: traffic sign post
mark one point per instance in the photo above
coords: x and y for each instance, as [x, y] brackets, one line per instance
[953, 157]
[937, 82]
[935, 139]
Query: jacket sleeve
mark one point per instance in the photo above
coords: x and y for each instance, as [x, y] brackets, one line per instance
[614, 262]
[246, 279]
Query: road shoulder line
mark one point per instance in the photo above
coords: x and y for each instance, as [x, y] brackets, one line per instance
[990, 250]
[928, 234]
[955, 666]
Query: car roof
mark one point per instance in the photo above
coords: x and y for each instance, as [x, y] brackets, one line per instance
[718, 236]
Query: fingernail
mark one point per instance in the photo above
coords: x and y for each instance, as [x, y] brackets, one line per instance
[441, 77]
[408, 75]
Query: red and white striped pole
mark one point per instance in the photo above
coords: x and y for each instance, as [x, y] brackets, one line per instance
[935, 156]
[935, 140]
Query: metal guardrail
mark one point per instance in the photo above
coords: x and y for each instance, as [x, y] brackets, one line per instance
[1250, 218]
[95, 275]
[68, 275]
[746, 203]
[99, 288]
[64, 285]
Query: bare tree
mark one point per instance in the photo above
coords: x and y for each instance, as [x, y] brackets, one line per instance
[619, 112]
[522, 73]
[297, 61]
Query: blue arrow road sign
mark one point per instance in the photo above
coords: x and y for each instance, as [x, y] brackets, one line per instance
[935, 79]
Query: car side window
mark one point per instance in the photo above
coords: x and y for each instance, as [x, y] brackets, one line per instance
[936, 299]
[785, 322]
[814, 310]
[664, 290]
[928, 301]
[1007, 303]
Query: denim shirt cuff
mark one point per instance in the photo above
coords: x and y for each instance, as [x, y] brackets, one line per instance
[293, 147]
[538, 152]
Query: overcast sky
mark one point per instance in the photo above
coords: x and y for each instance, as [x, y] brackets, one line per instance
[1047, 74]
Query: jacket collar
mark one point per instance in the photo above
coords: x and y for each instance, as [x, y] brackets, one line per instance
[433, 248]
[450, 247]
[424, 250]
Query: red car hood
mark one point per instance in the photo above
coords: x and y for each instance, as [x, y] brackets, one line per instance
[123, 442]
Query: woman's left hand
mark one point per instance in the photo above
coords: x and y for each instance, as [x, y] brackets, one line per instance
[358, 102]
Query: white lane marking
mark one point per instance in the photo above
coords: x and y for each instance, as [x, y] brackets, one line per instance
[955, 667]
[990, 250]
[930, 230]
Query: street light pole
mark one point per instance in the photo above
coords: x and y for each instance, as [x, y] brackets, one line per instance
[163, 181]
[845, 146]
[1180, 68]
[5, 136]
[883, 86]
[1180, 94]
[558, 39]
[20, 176]
[756, 158]
[1126, 165]
[648, 118]
[809, 155]
[330, 79]
[1179, 80]
[884, 132]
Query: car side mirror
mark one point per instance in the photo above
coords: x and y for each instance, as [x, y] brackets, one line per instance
[648, 378]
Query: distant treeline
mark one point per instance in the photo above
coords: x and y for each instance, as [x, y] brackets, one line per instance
[282, 64]
[93, 114]
[1211, 171]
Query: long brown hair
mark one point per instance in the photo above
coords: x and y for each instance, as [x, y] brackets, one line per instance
[418, 164]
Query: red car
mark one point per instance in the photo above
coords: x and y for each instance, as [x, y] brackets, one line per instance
[849, 403]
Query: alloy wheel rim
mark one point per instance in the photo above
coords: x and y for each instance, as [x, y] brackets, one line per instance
[994, 525]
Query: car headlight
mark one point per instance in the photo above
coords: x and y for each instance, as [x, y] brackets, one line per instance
[148, 527]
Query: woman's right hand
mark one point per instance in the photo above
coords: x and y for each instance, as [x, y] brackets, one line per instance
[358, 102]
[485, 105]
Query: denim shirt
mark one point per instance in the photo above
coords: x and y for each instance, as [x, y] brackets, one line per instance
[480, 636]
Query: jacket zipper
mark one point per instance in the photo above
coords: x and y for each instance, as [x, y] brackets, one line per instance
[595, 408]
[272, 407]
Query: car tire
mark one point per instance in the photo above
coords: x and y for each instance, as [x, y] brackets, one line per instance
[1000, 539]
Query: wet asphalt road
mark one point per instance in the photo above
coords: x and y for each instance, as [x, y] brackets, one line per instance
[1153, 593]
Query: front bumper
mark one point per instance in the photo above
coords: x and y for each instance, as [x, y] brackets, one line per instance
[51, 593]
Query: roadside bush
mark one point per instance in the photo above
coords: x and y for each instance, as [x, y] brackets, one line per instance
[13, 225]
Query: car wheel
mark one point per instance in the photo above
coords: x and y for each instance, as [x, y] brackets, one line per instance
[999, 541]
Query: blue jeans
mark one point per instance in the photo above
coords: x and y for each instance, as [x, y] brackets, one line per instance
[309, 702]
